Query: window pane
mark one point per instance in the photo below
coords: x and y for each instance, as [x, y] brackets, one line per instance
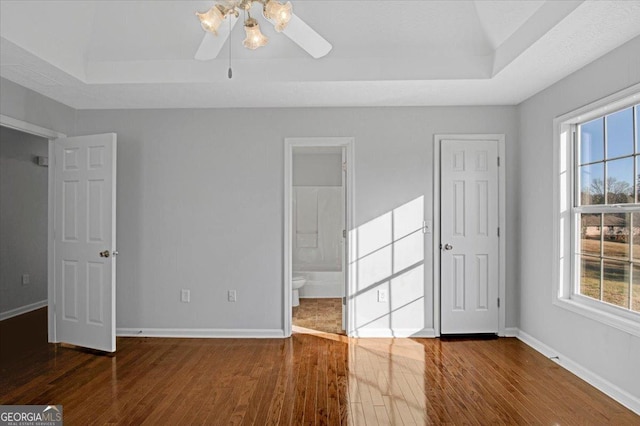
[591, 184]
[590, 276]
[637, 179]
[635, 304]
[592, 141]
[636, 236]
[616, 235]
[620, 133]
[615, 283]
[637, 108]
[620, 181]
[590, 231]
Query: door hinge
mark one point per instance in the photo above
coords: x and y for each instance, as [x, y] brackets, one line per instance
[344, 300]
[498, 161]
[498, 231]
[344, 166]
[424, 226]
[344, 233]
[498, 302]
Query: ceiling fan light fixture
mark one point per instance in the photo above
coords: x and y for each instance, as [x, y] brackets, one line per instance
[211, 19]
[255, 38]
[279, 13]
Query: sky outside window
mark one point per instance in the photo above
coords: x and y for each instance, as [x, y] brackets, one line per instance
[592, 141]
[620, 175]
[620, 133]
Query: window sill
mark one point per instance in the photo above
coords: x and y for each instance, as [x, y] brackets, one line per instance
[627, 325]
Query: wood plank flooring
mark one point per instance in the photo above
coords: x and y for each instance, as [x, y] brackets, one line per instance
[320, 378]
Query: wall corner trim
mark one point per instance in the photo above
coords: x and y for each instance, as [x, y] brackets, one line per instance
[201, 333]
[22, 310]
[623, 397]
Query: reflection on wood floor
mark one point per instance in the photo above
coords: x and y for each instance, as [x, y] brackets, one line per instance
[324, 315]
[321, 378]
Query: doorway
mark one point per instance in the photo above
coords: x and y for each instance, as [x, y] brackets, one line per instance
[318, 211]
[81, 205]
[25, 263]
[23, 241]
[469, 243]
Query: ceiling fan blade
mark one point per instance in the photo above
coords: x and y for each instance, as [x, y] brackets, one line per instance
[306, 37]
[212, 44]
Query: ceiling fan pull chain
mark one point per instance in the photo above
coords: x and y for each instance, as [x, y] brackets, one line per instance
[230, 72]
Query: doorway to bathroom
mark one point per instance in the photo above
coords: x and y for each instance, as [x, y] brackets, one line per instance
[318, 217]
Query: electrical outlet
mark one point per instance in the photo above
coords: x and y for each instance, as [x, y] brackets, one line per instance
[231, 296]
[382, 295]
[25, 279]
[185, 296]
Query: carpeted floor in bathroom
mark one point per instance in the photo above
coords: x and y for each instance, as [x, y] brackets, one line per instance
[319, 314]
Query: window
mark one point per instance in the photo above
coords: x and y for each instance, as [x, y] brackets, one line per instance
[598, 216]
[608, 247]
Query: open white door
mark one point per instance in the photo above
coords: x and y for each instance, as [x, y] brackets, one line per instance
[84, 240]
[469, 259]
[345, 249]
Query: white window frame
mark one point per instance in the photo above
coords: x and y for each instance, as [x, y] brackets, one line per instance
[565, 231]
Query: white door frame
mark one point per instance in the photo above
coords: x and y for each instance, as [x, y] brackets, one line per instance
[51, 135]
[289, 144]
[437, 141]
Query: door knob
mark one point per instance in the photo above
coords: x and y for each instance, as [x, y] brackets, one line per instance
[448, 246]
[104, 253]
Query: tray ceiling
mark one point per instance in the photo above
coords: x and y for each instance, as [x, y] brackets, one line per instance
[139, 54]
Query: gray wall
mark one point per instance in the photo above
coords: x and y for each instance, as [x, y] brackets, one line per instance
[26, 105]
[23, 219]
[606, 351]
[204, 211]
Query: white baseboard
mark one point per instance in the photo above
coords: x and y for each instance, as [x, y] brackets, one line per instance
[388, 333]
[623, 397]
[22, 310]
[427, 333]
[201, 333]
[510, 332]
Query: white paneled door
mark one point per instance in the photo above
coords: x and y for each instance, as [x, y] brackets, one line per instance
[469, 251]
[345, 240]
[85, 240]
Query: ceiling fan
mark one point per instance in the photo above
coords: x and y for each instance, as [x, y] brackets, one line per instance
[280, 15]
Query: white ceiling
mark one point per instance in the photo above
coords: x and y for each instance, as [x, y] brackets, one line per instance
[139, 54]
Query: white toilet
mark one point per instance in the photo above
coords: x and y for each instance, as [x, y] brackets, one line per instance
[296, 283]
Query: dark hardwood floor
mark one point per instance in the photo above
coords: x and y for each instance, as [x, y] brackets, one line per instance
[320, 378]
